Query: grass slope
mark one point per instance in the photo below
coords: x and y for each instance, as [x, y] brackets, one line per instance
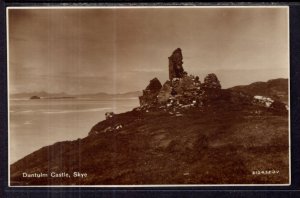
[220, 144]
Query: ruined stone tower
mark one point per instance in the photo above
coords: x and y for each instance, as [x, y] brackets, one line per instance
[175, 65]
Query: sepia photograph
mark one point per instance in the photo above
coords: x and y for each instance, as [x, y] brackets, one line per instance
[148, 96]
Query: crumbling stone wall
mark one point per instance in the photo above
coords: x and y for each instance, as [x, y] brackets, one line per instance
[211, 81]
[149, 96]
[175, 64]
[182, 90]
[165, 92]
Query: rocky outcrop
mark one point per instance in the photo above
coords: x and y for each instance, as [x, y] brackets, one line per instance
[175, 64]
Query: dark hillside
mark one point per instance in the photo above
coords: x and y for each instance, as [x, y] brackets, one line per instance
[276, 89]
[222, 144]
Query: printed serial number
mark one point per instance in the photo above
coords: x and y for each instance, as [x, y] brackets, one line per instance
[265, 172]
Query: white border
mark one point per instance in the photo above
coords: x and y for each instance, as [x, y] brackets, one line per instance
[289, 85]
[144, 7]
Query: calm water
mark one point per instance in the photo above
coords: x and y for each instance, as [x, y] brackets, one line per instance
[38, 123]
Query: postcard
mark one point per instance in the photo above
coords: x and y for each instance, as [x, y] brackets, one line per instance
[148, 96]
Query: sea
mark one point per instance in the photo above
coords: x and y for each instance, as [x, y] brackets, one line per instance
[34, 124]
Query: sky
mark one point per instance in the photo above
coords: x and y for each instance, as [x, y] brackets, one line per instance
[80, 51]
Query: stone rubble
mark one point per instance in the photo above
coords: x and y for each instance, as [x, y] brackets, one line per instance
[261, 100]
[114, 128]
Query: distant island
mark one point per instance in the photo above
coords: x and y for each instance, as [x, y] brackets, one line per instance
[35, 97]
[184, 132]
[63, 97]
[100, 95]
